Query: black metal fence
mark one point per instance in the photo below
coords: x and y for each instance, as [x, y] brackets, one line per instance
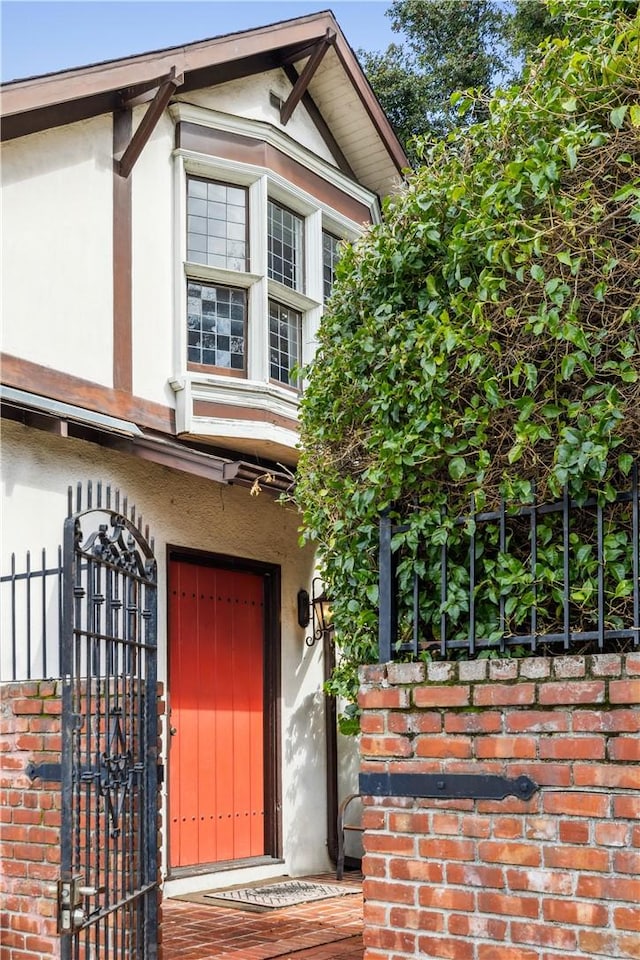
[31, 617]
[545, 578]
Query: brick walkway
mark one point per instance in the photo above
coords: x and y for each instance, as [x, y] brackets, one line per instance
[324, 930]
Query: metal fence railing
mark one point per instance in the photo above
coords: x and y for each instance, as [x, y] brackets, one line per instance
[543, 578]
[30, 618]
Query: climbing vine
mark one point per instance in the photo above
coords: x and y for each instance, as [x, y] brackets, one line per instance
[484, 339]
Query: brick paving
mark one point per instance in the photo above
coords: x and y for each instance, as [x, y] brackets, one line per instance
[323, 930]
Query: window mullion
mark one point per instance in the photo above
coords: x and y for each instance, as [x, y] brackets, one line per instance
[258, 364]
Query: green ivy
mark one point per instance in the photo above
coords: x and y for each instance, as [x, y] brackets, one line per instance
[485, 339]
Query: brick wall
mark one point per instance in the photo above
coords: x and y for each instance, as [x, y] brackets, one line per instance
[29, 820]
[556, 877]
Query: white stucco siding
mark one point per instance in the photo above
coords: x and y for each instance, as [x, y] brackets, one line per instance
[56, 246]
[250, 97]
[191, 512]
[153, 267]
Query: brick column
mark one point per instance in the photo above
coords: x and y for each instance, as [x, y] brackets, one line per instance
[29, 820]
[556, 877]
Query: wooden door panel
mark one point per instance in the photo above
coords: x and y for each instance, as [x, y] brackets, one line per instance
[216, 779]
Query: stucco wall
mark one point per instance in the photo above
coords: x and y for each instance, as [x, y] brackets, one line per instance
[57, 297]
[192, 512]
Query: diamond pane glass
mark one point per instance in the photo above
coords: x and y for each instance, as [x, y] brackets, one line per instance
[216, 326]
[215, 210]
[285, 233]
[285, 326]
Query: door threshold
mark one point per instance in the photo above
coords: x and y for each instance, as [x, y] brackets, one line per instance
[217, 875]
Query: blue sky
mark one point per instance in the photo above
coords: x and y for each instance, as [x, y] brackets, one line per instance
[41, 36]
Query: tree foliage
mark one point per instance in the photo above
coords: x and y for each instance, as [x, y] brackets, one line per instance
[451, 45]
[485, 336]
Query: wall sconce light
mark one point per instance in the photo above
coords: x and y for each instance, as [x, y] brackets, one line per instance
[315, 610]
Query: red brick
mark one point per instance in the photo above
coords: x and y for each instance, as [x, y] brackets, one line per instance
[545, 774]
[572, 748]
[491, 951]
[627, 918]
[485, 722]
[577, 804]
[465, 925]
[440, 696]
[576, 912]
[569, 692]
[415, 723]
[373, 818]
[575, 831]
[625, 748]
[624, 691]
[612, 721]
[508, 904]
[385, 746]
[606, 775]
[627, 807]
[446, 948]
[541, 881]
[446, 898]
[391, 892]
[577, 858]
[632, 664]
[626, 861]
[435, 848]
[600, 942]
[421, 871]
[507, 828]
[476, 826]
[612, 834]
[609, 888]
[544, 935]
[374, 866]
[521, 748]
[388, 843]
[409, 822]
[372, 722]
[389, 939]
[412, 919]
[500, 694]
[475, 875]
[537, 721]
[459, 747]
[447, 823]
[522, 854]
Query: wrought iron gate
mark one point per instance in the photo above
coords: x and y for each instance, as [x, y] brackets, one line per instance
[108, 896]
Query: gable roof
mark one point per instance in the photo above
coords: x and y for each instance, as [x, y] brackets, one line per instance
[338, 95]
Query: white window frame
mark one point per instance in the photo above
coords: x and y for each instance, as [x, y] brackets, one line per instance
[262, 185]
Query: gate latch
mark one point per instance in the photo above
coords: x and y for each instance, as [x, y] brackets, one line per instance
[70, 894]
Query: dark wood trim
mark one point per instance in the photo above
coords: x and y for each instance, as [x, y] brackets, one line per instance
[122, 256]
[145, 128]
[229, 411]
[219, 371]
[233, 146]
[272, 576]
[57, 385]
[303, 81]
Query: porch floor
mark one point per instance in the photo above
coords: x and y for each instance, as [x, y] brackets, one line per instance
[324, 930]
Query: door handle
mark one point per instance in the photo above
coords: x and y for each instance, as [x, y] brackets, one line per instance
[173, 731]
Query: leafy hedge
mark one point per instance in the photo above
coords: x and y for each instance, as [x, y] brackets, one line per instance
[485, 337]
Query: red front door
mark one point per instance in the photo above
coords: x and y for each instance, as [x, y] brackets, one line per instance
[216, 694]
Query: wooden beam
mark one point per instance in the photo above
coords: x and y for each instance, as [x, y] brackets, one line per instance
[301, 84]
[167, 87]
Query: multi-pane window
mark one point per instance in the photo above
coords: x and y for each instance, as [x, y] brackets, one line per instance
[285, 233]
[330, 257]
[216, 326]
[217, 224]
[285, 327]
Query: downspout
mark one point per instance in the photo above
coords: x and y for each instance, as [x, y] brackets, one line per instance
[331, 741]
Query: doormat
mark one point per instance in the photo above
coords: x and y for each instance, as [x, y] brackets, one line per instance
[275, 896]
